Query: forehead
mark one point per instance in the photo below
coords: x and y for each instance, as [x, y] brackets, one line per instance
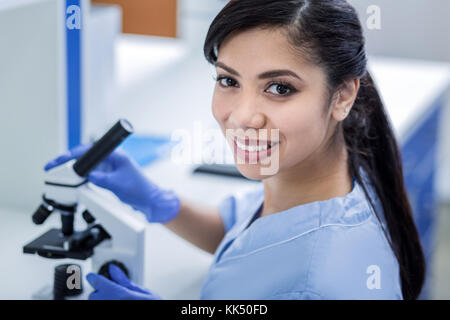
[261, 49]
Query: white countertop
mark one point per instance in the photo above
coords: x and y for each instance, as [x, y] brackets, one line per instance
[408, 88]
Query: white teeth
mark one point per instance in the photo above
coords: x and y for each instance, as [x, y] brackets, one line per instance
[251, 148]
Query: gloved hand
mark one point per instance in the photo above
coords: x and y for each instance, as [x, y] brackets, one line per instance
[121, 288]
[123, 176]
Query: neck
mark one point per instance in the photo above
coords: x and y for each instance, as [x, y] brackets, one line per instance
[322, 177]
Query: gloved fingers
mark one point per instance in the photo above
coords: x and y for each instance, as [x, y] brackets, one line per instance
[121, 278]
[74, 153]
[104, 166]
[126, 295]
[105, 289]
[112, 180]
[145, 296]
[58, 161]
[111, 163]
[102, 295]
[100, 283]
[120, 158]
[101, 179]
[116, 160]
[95, 295]
[169, 203]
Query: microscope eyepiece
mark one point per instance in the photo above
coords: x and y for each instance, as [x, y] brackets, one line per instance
[103, 147]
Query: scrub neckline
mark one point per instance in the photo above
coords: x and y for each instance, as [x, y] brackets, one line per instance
[257, 214]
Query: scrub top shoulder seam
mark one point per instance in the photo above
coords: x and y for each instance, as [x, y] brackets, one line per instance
[291, 239]
[308, 272]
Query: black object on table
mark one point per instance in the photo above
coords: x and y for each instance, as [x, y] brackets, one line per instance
[220, 169]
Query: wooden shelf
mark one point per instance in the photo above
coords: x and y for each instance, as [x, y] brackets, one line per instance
[155, 17]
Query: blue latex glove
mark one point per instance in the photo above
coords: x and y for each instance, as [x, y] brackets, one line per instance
[121, 288]
[123, 176]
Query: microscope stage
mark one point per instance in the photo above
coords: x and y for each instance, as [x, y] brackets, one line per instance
[51, 245]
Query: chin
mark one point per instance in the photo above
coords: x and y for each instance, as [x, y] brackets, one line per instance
[254, 171]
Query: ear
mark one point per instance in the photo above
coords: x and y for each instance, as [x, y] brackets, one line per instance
[346, 96]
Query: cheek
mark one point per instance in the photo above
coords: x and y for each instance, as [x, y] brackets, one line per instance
[303, 131]
[220, 106]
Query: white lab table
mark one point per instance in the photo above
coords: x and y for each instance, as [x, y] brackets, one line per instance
[176, 269]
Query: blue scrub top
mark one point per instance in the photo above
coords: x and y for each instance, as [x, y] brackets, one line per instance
[332, 249]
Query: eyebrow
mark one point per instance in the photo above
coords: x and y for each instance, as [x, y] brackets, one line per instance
[265, 75]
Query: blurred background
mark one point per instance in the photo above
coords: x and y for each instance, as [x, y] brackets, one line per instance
[69, 69]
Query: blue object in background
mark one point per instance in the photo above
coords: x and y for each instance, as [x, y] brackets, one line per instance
[147, 149]
[73, 60]
[419, 154]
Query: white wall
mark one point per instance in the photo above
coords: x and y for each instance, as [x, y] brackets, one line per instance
[194, 18]
[101, 27]
[409, 28]
[417, 29]
[32, 97]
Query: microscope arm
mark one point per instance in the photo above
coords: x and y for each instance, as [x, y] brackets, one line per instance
[127, 244]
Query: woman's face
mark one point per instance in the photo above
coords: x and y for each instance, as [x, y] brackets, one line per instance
[264, 85]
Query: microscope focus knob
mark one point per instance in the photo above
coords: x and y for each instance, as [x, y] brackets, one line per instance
[104, 269]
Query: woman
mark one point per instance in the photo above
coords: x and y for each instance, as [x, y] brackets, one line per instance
[334, 220]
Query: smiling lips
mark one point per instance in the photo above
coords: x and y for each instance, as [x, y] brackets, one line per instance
[253, 145]
[253, 150]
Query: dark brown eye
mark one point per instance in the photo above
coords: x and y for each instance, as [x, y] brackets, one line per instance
[226, 82]
[279, 89]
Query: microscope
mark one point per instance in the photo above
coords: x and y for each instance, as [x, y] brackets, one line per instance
[112, 235]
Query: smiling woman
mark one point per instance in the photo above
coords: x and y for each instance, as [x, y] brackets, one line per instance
[336, 208]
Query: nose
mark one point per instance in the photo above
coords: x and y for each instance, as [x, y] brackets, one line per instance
[247, 115]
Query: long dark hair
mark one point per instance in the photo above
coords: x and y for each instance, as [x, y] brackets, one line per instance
[330, 34]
